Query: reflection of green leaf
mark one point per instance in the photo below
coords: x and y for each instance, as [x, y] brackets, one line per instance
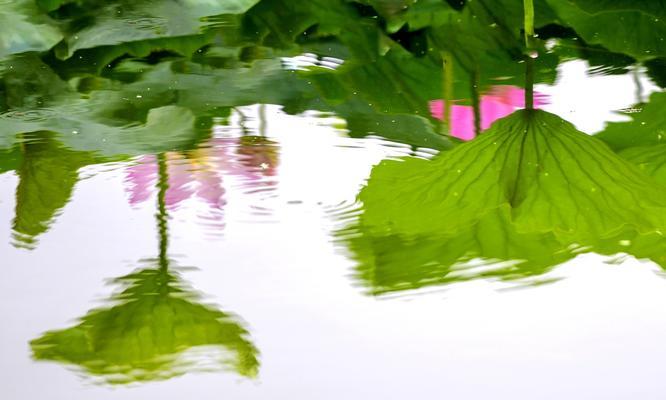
[648, 126]
[527, 195]
[396, 82]
[122, 21]
[26, 84]
[165, 128]
[553, 178]
[47, 175]
[24, 28]
[642, 141]
[288, 24]
[650, 159]
[403, 128]
[485, 40]
[151, 332]
[656, 70]
[416, 14]
[489, 249]
[10, 159]
[636, 28]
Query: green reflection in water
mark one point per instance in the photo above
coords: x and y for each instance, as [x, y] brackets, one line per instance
[529, 194]
[155, 328]
[47, 174]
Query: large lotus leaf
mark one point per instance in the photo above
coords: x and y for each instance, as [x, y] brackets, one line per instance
[149, 333]
[124, 21]
[647, 128]
[25, 28]
[551, 176]
[47, 174]
[636, 28]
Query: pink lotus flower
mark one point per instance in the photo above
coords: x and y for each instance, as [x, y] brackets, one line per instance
[499, 102]
[200, 173]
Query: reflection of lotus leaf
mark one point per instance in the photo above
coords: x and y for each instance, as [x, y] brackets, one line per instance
[491, 248]
[529, 194]
[48, 173]
[150, 333]
[552, 177]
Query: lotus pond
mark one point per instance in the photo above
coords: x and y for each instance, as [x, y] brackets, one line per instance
[332, 199]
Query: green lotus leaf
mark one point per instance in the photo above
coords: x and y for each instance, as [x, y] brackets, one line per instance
[28, 84]
[485, 39]
[47, 174]
[25, 28]
[636, 28]
[316, 25]
[491, 248]
[415, 14]
[551, 177]
[123, 21]
[650, 159]
[403, 128]
[79, 129]
[155, 329]
[647, 127]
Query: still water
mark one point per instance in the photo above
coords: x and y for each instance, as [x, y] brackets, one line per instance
[221, 272]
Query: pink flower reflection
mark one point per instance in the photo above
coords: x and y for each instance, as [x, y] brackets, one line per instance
[200, 173]
[499, 102]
